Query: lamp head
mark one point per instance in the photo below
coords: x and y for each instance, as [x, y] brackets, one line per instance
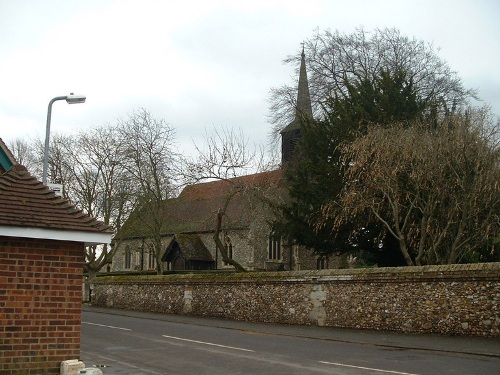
[75, 99]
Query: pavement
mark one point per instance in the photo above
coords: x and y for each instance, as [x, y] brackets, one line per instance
[471, 345]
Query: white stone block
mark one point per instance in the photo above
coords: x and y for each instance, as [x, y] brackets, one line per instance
[71, 367]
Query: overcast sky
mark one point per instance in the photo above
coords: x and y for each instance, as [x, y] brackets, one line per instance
[200, 64]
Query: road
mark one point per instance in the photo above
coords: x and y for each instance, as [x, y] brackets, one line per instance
[154, 344]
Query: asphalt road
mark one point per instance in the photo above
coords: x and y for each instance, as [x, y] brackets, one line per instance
[158, 344]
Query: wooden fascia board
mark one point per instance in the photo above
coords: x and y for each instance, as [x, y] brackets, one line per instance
[88, 238]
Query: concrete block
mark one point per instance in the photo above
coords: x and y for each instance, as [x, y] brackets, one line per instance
[71, 367]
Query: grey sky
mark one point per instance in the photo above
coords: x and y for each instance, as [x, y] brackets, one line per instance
[200, 64]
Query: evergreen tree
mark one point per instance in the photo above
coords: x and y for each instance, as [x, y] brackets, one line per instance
[315, 174]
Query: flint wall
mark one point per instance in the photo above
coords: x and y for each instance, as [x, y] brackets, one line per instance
[454, 300]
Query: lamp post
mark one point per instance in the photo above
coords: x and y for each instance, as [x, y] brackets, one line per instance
[70, 99]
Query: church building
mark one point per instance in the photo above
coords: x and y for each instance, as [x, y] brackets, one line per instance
[189, 221]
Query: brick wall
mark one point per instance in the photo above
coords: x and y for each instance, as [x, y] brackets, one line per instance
[455, 300]
[40, 304]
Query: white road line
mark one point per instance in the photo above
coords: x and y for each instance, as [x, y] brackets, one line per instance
[140, 369]
[207, 343]
[366, 368]
[103, 325]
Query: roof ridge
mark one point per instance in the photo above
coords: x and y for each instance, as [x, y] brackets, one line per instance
[219, 187]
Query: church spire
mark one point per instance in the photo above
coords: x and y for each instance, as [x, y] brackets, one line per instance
[303, 108]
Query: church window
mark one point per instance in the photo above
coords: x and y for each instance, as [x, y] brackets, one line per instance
[228, 245]
[128, 257]
[274, 247]
[151, 260]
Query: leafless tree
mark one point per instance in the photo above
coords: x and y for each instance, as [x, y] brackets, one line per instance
[99, 183]
[225, 156]
[59, 167]
[88, 165]
[113, 170]
[149, 158]
[334, 58]
[435, 190]
[24, 154]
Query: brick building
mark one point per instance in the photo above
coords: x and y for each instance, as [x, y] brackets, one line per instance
[42, 240]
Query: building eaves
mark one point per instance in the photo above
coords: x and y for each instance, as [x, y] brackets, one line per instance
[26, 203]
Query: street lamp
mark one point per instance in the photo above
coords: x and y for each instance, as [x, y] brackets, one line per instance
[70, 99]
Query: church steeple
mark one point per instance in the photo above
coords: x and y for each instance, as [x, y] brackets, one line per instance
[291, 133]
[304, 107]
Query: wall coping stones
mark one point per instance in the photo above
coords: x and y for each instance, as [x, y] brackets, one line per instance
[476, 271]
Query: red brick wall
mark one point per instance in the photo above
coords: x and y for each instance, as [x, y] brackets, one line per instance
[40, 304]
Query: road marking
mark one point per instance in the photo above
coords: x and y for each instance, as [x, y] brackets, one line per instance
[367, 368]
[208, 343]
[103, 325]
[141, 370]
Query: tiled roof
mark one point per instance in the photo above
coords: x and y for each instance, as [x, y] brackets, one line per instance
[191, 246]
[26, 202]
[195, 209]
[220, 187]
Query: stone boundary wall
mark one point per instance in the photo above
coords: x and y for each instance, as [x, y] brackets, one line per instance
[453, 300]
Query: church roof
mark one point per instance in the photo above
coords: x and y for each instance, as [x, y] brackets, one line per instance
[220, 187]
[194, 210]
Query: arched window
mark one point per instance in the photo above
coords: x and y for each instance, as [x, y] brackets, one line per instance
[128, 258]
[151, 260]
[228, 245]
[274, 251]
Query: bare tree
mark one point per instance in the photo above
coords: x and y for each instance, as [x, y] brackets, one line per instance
[59, 167]
[335, 59]
[112, 170]
[227, 155]
[99, 184]
[24, 154]
[88, 166]
[435, 190]
[149, 158]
